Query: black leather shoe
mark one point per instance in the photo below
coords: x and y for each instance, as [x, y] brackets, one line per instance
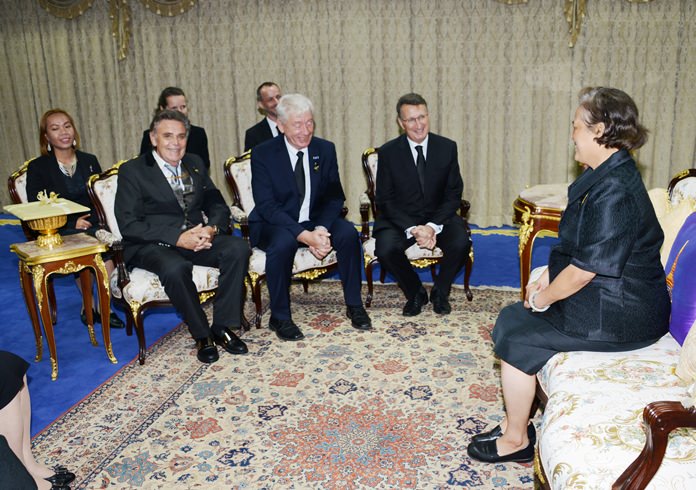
[440, 301]
[414, 306]
[492, 435]
[229, 341]
[359, 317]
[114, 320]
[285, 329]
[61, 479]
[487, 451]
[207, 352]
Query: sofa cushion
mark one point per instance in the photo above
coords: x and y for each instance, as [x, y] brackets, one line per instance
[659, 197]
[686, 368]
[681, 279]
[671, 222]
[592, 427]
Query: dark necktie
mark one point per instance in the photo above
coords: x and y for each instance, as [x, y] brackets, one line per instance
[299, 176]
[420, 166]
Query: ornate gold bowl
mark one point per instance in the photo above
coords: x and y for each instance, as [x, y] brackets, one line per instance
[48, 230]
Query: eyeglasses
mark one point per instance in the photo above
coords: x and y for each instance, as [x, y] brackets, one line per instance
[411, 121]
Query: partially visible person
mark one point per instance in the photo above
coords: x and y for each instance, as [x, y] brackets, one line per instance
[419, 190]
[172, 217]
[604, 289]
[174, 98]
[268, 95]
[298, 201]
[64, 169]
[18, 467]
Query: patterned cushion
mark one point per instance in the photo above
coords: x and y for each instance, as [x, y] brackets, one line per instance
[105, 190]
[145, 286]
[414, 252]
[686, 368]
[671, 222]
[685, 188]
[659, 197]
[681, 279]
[21, 186]
[592, 426]
[241, 171]
[304, 260]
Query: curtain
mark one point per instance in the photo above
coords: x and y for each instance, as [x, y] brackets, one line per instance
[499, 79]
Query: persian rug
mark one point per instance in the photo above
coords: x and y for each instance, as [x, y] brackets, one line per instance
[342, 409]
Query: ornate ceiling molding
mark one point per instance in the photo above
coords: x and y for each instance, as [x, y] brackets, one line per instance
[66, 9]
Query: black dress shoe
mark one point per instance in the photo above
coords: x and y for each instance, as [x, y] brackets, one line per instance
[492, 435]
[359, 317]
[440, 302]
[229, 341]
[61, 479]
[207, 352]
[414, 306]
[285, 329]
[487, 451]
[114, 320]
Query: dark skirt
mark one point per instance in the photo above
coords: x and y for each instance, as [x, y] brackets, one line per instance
[526, 340]
[12, 371]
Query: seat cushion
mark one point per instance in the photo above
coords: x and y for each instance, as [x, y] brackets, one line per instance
[145, 286]
[592, 426]
[304, 261]
[414, 252]
[554, 196]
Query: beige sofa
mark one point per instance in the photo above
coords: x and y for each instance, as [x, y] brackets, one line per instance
[622, 420]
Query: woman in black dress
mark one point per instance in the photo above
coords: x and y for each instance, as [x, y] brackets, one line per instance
[18, 468]
[64, 169]
[604, 289]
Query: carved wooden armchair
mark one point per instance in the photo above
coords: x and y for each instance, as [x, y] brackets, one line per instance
[305, 266]
[137, 290]
[418, 257]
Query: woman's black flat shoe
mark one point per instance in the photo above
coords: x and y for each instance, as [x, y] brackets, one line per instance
[114, 320]
[487, 452]
[61, 479]
[492, 435]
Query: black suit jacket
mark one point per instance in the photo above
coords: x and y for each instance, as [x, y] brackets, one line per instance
[256, 134]
[276, 198]
[147, 210]
[197, 144]
[400, 201]
[43, 173]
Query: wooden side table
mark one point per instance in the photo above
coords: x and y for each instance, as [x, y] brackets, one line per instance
[538, 210]
[77, 253]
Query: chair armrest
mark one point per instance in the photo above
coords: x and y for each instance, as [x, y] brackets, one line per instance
[116, 247]
[364, 217]
[239, 216]
[660, 419]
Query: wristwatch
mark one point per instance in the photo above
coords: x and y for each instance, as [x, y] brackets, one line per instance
[216, 230]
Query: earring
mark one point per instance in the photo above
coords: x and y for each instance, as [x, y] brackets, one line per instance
[74, 143]
[48, 146]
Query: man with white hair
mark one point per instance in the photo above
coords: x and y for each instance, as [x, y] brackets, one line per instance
[298, 201]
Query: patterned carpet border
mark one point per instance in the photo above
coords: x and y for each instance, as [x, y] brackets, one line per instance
[343, 409]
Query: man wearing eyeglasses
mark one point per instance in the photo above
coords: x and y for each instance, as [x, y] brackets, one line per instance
[298, 201]
[418, 193]
[268, 95]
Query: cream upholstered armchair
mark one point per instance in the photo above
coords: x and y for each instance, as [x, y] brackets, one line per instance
[419, 257]
[136, 290]
[682, 185]
[305, 266]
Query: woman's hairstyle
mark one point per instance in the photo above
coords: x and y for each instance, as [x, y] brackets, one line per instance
[162, 101]
[619, 114]
[43, 125]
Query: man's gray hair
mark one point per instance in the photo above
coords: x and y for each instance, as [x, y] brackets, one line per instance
[170, 115]
[293, 105]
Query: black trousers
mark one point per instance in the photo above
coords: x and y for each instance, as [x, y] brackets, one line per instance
[391, 244]
[174, 267]
[280, 246]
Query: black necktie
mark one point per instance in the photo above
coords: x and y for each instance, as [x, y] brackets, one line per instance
[420, 166]
[299, 176]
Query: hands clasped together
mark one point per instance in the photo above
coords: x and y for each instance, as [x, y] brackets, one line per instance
[425, 236]
[318, 241]
[197, 238]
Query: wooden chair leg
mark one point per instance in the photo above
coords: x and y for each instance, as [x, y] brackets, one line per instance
[467, 274]
[305, 285]
[52, 302]
[370, 285]
[140, 332]
[256, 296]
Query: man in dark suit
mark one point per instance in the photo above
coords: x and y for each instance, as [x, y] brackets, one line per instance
[299, 198]
[419, 189]
[267, 96]
[161, 201]
[174, 99]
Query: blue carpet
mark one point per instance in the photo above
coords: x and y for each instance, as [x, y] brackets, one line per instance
[82, 367]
